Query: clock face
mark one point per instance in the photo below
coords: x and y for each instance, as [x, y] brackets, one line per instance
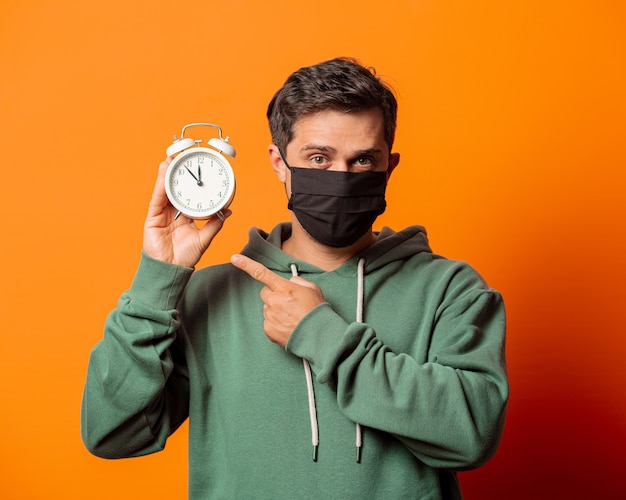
[200, 183]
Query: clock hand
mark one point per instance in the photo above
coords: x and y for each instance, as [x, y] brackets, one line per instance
[198, 181]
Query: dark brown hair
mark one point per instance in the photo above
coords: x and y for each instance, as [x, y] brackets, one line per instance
[340, 84]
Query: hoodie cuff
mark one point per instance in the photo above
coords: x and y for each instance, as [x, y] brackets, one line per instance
[159, 284]
[320, 338]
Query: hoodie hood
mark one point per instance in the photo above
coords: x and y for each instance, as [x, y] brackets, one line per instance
[389, 246]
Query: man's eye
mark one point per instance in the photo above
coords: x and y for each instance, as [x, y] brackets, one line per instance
[318, 160]
[364, 161]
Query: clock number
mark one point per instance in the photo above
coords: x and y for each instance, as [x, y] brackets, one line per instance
[199, 205]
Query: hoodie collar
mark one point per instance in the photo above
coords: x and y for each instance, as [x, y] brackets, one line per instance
[389, 246]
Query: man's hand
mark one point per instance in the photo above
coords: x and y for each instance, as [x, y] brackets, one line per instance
[285, 302]
[177, 241]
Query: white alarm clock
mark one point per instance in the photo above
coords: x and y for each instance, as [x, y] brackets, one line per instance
[199, 181]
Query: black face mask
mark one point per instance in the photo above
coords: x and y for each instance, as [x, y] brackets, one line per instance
[336, 208]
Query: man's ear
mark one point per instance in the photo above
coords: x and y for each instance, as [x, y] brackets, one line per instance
[394, 159]
[276, 160]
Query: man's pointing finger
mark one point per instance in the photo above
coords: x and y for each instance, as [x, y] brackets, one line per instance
[257, 271]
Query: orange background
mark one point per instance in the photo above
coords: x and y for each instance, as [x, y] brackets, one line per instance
[511, 131]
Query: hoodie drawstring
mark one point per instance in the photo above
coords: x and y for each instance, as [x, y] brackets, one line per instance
[309, 378]
[315, 439]
[360, 291]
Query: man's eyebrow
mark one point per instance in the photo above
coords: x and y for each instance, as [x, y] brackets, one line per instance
[366, 152]
[316, 147]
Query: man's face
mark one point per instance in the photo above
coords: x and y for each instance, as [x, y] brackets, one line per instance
[332, 140]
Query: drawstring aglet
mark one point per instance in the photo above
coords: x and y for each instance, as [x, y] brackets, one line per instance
[358, 454]
[315, 453]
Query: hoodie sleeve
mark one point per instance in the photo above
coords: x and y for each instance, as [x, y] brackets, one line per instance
[448, 410]
[136, 390]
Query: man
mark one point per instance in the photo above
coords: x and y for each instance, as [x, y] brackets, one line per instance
[385, 373]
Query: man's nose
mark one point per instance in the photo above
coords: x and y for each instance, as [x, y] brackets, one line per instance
[341, 166]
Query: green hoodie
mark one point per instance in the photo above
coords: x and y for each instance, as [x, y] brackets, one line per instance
[423, 374]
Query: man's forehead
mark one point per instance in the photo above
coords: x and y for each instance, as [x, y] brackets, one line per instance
[323, 130]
